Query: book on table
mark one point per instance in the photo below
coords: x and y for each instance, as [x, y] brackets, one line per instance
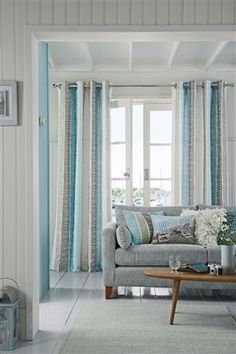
[194, 267]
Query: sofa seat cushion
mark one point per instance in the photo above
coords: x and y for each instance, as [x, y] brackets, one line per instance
[158, 255]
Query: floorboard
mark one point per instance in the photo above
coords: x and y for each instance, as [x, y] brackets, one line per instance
[69, 290]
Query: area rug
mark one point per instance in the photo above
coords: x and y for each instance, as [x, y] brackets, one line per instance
[113, 328]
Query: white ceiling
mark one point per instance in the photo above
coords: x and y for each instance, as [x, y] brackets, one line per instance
[141, 56]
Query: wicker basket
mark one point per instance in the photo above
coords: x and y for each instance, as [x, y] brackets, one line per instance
[9, 316]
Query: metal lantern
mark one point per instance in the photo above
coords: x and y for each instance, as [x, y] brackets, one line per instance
[9, 316]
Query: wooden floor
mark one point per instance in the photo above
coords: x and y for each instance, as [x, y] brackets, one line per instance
[69, 290]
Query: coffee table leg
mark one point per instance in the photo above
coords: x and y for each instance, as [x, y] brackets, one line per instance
[174, 300]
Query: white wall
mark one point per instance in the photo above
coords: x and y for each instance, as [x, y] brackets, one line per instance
[16, 158]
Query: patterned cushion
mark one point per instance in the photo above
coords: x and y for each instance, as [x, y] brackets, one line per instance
[123, 236]
[165, 210]
[161, 224]
[207, 225]
[140, 226]
[183, 233]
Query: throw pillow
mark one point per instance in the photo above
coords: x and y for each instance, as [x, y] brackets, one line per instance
[119, 212]
[140, 226]
[161, 224]
[183, 233]
[208, 223]
[123, 237]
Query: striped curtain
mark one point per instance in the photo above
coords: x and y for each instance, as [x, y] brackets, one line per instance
[203, 142]
[83, 185]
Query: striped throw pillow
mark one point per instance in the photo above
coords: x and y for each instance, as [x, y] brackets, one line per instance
[140, 226]
[161, 224]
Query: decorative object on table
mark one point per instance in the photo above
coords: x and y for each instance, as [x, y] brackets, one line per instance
[227, 239]
[194, 267]
[174, 263]
[215, 269]
[8, 103]
[228, 259]
[9, 316]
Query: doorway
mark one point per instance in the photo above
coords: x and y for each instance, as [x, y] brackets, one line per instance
[120, 76]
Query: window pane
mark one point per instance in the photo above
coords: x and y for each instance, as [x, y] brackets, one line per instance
[161, 126]
[117, 160]
[118, 193]
[118, 124]
[137, 176]
[137, 196]
[160, 193]
[160, 161]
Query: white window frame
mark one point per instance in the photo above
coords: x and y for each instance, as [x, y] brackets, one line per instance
[148, 106]
[126, 103]
[160, 105]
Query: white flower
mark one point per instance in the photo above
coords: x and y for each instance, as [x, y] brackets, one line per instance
[224, 228]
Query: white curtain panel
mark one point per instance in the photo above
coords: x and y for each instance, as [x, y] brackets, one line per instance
[199, 143]
[83, 184]
[59, 260]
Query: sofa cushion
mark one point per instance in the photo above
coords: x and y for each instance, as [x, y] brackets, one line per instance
[140, 226]
[208, 223]
[183, 233]
[168, 210]
[161, 223]
[123, 236]
[158, 255]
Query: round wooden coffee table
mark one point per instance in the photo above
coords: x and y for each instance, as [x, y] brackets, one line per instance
[166, 273]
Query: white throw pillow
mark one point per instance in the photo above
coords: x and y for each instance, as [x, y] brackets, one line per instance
[123, 236]
[208, 223]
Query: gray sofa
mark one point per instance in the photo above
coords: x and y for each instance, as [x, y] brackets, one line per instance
[124, 267]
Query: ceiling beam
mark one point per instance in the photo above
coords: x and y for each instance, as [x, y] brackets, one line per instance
[218, 49]
[173, 53]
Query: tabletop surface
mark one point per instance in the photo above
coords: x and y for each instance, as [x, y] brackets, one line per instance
[167, 273]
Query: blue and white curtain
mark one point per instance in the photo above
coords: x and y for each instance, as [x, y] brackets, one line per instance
[201, 144]
[83, 183]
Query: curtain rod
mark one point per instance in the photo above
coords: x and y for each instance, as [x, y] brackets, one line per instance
[86, 84]
[201, 84]
[214, 83]
[158, 85]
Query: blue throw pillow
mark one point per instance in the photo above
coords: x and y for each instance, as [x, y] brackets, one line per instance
[140, 225]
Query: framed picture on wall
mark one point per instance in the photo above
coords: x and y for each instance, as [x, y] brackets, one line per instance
[8, 103]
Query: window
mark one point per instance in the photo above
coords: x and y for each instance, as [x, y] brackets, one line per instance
[141, 152]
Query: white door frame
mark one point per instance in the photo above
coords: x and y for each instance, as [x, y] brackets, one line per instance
[34, 34]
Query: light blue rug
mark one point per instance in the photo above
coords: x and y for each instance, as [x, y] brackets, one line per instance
[143, 329]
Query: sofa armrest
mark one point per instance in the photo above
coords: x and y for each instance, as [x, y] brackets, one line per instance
[109, 247]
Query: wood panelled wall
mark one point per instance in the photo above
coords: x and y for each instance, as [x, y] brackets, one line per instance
[16, 167]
